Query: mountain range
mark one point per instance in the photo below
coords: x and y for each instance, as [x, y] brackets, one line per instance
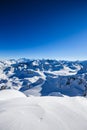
[44, 77]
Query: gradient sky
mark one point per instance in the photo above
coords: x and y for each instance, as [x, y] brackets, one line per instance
[55, 29]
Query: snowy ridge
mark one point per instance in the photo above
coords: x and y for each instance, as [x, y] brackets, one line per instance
[10, 94]
[44, 77]
[42, 113]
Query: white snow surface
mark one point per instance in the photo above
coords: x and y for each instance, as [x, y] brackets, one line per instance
[10, 94]
[66, 71]
[42, 113]
[33, 79]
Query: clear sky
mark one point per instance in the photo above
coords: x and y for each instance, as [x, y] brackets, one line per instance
[55, 29]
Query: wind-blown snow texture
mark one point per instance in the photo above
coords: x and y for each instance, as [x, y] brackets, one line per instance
[42, 113]
[44, 77]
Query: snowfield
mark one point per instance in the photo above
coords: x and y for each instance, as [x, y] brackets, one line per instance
[18, 112]
[10, 94]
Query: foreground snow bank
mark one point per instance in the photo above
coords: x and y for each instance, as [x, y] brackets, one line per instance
[43, 113]
[10, 94]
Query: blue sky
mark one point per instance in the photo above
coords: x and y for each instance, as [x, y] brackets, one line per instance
[55, 29]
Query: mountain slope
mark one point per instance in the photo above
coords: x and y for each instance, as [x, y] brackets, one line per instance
[43, 113]
[44, 77]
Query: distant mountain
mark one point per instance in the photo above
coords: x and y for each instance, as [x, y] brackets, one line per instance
[44, 77]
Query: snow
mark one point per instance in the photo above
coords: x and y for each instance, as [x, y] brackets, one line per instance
[42, 74]
[46, 63]
[66, 71]
[33, 79]
[49, 78]
[35, 91]
[64, 77]
[42, 113]
[10, 94]
[35, 63]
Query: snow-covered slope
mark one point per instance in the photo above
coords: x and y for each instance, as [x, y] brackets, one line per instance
[43, 113]
[44, 77]
[10, 94]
